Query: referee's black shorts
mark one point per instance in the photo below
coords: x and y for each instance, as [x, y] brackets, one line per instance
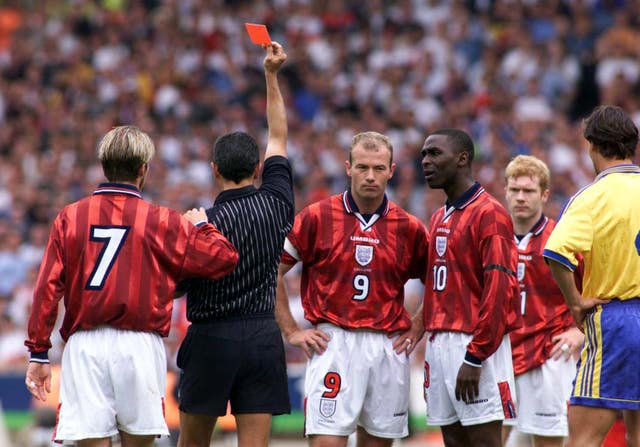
[240, 360]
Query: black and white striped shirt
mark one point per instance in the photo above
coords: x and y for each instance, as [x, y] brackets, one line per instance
[256, 222]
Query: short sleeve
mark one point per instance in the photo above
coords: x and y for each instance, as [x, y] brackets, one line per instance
[572, 235]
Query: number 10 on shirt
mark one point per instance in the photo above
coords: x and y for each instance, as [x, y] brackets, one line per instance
[439, 277]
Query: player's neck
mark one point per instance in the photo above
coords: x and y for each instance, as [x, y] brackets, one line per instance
[367, 206]
[522, 226]
[230, 184]
[601, 163]
[455, 190]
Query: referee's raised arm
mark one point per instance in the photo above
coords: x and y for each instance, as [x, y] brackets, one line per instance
[276, 113]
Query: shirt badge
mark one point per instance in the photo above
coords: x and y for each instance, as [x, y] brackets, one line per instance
[327, 407]
[441, 245]
[364, 254]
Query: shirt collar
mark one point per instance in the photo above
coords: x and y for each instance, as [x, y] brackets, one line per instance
[620, 169]
[539, 226]
[117, 188]
[235, 193]
[467, 197]
[351, 207]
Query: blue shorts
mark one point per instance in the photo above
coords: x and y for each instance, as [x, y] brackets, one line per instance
[609, 367]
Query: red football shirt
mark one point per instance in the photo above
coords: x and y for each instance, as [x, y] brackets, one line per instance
[354, 270]
[544, 311]
[472, 285]
[115, 259]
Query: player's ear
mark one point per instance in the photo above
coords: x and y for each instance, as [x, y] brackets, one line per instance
[214, 169]
[347, 167]
[392, 169]
[142, 170]
[463, 159]
[545, 195]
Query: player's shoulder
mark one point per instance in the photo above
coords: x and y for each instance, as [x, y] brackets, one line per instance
[590, 191]
[586, 196]
[332, 203]
[163, 214]
[71, 210]
[489, 217]
[397, 212]
[549, 226]
[488, 204]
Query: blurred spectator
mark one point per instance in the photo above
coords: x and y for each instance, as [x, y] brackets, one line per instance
[13, 266]
[12, 352]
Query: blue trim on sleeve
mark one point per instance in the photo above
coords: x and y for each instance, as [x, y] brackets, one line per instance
[559, 258]
[40, 357]
[472, 360]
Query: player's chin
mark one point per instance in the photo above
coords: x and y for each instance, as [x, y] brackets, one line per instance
[370, 191]
[433, 182]
[523, 213]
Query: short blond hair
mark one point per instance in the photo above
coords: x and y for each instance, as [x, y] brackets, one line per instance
[529, 166]
[122, 151]
[371, 140]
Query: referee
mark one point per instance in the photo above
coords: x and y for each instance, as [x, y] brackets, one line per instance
[233, 350]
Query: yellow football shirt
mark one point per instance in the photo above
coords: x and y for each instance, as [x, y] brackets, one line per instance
[602, 223]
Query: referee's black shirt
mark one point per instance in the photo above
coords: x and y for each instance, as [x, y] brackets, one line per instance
[256, 221]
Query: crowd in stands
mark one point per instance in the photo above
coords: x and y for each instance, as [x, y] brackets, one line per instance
[517, 74]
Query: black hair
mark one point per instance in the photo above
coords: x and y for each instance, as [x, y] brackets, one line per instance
[612, 132]
[459, 139]
[236, 156]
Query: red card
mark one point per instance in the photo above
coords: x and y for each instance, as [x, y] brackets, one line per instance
[258, 33]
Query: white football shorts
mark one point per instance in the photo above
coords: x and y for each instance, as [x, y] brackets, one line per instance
[112, 380]
[543, 398]
[358, 380]
[444, 354]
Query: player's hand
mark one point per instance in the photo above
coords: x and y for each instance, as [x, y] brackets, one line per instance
[196, 215]
[275, 57]
[408, 340]
[310, 340]
[38, 380]
[467, 388]
[582, 307]
[567, 344]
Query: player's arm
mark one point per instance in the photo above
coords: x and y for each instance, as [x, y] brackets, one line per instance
[198, 217]
[567, 344]
[500, 288]
[572, 236]
[48, 291]
[570, 342]
[310, 340]
[408, 340]
[578, 305]
[207, 252]
[284, 317]
[276, 113]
